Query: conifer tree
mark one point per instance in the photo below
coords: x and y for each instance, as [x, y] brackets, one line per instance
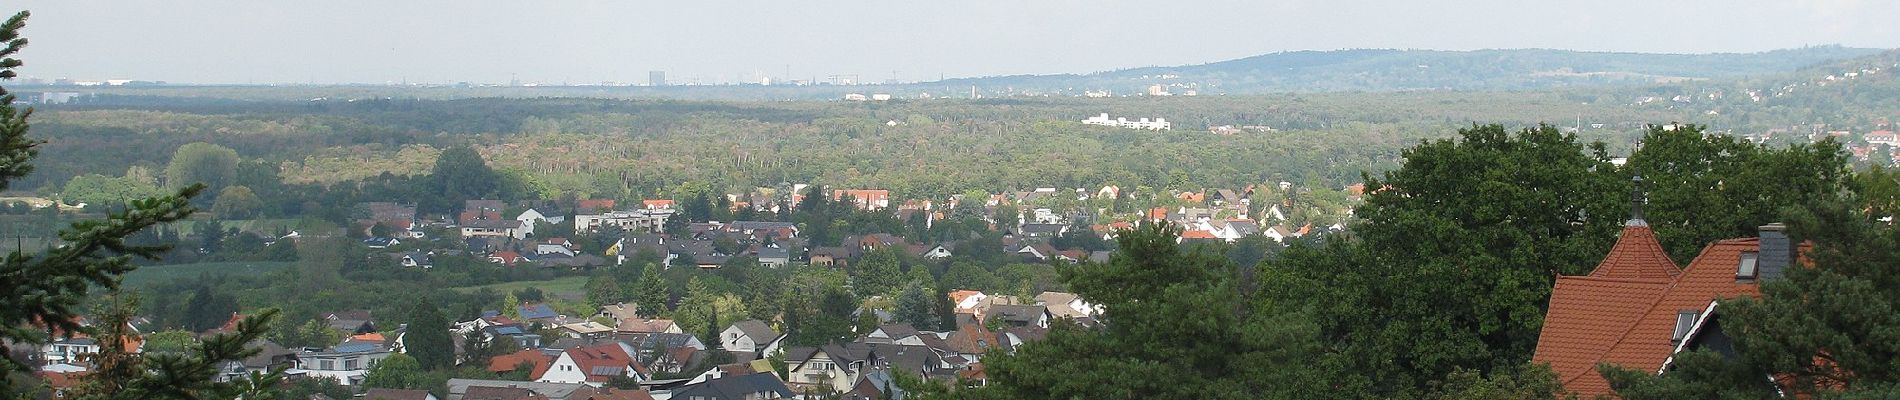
[42, 291]
[427, 338]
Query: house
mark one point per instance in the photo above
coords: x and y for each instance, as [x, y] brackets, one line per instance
[1037, 251]
[538, 360]
[643, 220]
[397, 394]
[531, 217]
[70, 351]
[269, 356]
[416, 258]
[348, 363]
[643, 325]
[1067, 305]
[737, 387]
[537, 312]
[829, 256]
[837, 365]
[507, 258]
[1042, 230]
[1019, 315]
[586, 330]
[381, 242]
[494, 228]
[657, 204]
[545, 249]
[935, 252]
[351, 321]
[1882, 137]
[397, 217]
[898, 333]
[1636, 308]
[966, 301]
[749, 339]
[879, 240]
[619, 311]
[594, 205]
[774, 257]
[598, 363]
[865, 199]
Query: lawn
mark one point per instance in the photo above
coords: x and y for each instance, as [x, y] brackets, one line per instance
[165, 273]
[569, 287]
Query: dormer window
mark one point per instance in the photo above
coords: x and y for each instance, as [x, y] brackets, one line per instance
[1745, 270]
[1685, 320]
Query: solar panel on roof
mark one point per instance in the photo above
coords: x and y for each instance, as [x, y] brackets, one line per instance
[604, 370]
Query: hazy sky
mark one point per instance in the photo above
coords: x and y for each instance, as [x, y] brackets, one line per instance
[590, 41]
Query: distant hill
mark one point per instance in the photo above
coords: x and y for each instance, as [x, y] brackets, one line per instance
[1408, 70]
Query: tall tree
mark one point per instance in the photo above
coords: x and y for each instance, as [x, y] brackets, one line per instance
[651, 295]
[1689, 173]
[1455, 257]
[460, 174]
[120, 372]
[428, 338]
[398, 371]
[201, 163]
[914, 307]
[237, 202]
[1175, 326]
[876, 273]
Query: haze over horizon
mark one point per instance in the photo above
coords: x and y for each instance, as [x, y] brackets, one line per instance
[580, 42]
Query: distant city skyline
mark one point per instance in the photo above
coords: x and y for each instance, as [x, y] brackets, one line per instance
[598, 41]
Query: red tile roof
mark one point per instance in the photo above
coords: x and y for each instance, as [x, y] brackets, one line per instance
[1197, 234]
[508, 362]
[1627, 315]
[600, 358]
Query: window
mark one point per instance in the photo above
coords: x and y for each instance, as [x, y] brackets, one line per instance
[326, 365]
[1746, 268]
[1685, 320]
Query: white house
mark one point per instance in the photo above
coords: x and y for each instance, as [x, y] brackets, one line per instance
[347, 363]
[484, 227]
[1157, 124]
[531, 217]
[651, 220]
[597, 364]
[750, 336]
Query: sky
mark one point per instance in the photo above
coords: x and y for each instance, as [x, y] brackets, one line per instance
[595, 41]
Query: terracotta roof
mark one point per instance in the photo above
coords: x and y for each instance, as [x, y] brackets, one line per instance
[1197, 234]
[1636, 255]
[601, 362]
[369, 337]
[507, 362]
[1631, 322]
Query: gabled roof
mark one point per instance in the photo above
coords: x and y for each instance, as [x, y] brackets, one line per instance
[1631, 321]
[736, 387]
[601, 362]
[535, 311]
[508, 362]
[757, 330]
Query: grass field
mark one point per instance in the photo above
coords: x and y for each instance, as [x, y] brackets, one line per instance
[165, 273]
[569, 287]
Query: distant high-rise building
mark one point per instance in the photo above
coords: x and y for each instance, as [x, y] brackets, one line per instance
[656, 78]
